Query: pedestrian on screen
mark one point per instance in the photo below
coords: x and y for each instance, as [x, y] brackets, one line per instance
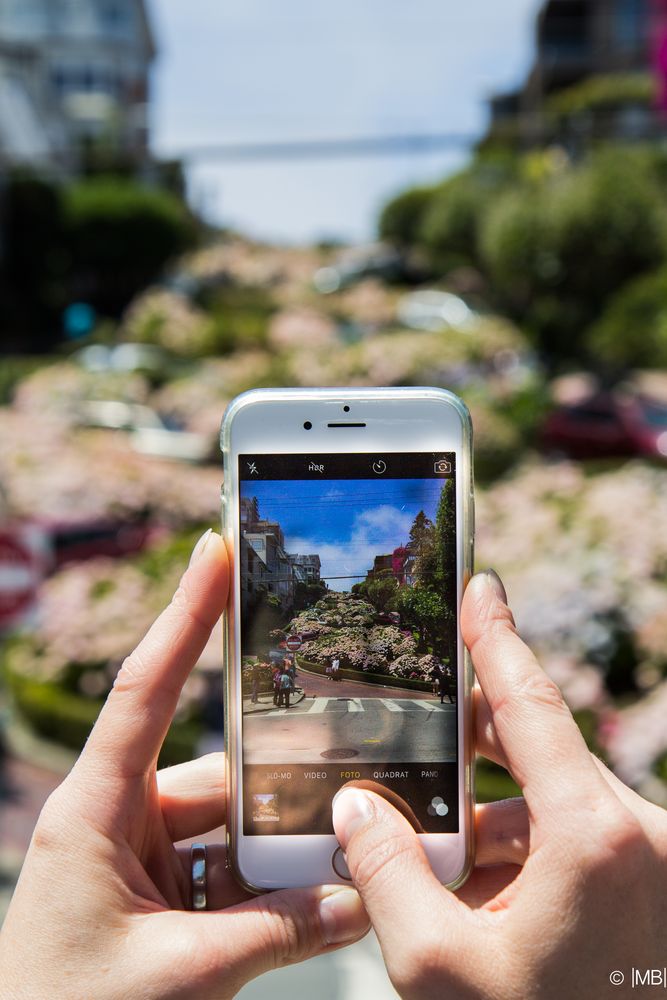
[276, 685]
[444, 683]
[335, 667]
[285, 689]
[254, 697]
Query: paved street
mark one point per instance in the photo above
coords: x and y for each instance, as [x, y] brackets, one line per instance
[320, 684]
[371, 730]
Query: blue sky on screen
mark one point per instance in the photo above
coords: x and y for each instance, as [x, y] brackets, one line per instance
[256, 70]
[346, 522]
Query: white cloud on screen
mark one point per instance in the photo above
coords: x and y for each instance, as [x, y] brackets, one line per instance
[376, 531]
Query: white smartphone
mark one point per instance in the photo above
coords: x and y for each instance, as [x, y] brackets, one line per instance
[348, 514]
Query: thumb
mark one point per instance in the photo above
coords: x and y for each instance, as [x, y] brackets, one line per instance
[409, 909]
[222, 951]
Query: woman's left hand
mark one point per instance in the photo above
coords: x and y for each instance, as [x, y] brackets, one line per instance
[101, 907]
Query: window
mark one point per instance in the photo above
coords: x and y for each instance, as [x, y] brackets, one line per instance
[24, 19]
[114, 15]
[594, 414]
[85, 79]
[564, 29]
[630, 22]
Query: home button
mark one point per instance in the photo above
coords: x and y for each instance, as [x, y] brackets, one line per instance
[339, 865]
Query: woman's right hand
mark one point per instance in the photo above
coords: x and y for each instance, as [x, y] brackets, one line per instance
[570, 892]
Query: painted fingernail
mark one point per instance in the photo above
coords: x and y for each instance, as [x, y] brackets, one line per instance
[351, 810]
[342, 916]
[198, 550]
[497, 585]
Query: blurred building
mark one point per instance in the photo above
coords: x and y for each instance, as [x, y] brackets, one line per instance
[74, 82]
[580, 40]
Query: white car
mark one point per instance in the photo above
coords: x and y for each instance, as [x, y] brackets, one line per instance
[433, 310]
[121, 358]
[149, 433]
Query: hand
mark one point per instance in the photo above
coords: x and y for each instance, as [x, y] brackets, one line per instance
[571, 883]
[99, 910]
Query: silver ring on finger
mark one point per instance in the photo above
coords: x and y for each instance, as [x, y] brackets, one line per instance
[198, 871]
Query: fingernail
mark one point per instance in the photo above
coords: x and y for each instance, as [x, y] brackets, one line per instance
[351, 809]
[198, 550]
[342, 916]
[497, 584]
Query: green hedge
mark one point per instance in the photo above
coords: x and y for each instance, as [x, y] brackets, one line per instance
[402, 217]
[67, 718]
[120, 235]
[360, 675]
[16, 367]
[555, 252]
[632, 330]
[492, 782]
[603, 91]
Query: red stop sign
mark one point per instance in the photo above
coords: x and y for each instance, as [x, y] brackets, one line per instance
[20, 572]
[293, 643]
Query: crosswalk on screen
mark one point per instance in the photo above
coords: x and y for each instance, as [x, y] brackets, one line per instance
[348, 580]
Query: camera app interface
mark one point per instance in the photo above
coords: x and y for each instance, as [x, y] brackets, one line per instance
[348, 636]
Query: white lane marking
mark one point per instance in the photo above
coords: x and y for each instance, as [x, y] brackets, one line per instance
[392, 705]
[343, 705]
[15, 579]
[318, 706]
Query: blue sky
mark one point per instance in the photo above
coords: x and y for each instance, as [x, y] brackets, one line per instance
[259, 70]
[346, 522]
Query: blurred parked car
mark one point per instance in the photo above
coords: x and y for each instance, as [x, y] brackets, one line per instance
[378, 260]
[123, 358]
[432, 310]
[150, 433]
[606, 425]
[88, 538]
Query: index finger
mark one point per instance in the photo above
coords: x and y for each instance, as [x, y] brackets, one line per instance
[546, 753]
[134, 721]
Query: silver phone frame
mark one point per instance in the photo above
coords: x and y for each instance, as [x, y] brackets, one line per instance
[433, 843]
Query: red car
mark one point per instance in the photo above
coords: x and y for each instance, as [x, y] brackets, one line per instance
[608, 425]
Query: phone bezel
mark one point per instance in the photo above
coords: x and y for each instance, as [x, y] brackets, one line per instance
[271, 421]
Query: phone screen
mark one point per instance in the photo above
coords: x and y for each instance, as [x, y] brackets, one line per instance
[348, 578]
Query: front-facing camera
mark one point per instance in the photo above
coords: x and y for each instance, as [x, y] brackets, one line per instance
[307, 426]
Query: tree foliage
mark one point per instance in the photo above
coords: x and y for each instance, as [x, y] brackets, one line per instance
[401, 218]
[632, 330]
[120, 236]
[554, 239]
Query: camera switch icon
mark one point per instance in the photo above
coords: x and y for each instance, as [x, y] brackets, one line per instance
[437, 807]
[442, 468]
